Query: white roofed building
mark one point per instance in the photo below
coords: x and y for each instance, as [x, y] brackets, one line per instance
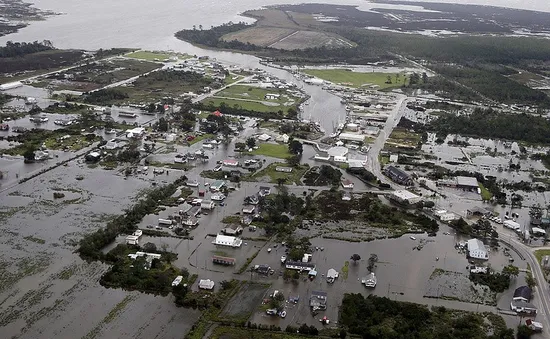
[477, 250]
[405, 197]
[224, 240]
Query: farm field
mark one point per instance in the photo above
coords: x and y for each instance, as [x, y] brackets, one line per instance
[357, 79]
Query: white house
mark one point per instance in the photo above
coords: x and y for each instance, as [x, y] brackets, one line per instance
[282, 138]
[404, 196]
[272, 96]
[137, 132]
[284, 169]
[132, 240]
[477, 250]
[264, 137]
[448, 217]
[206, 284]
[347, 184]
[207, 205]
[224, 240]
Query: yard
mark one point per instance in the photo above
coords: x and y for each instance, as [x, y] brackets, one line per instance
[272, 150]
[539, 254]
[401, 137]
[292, 178]
[357, 79]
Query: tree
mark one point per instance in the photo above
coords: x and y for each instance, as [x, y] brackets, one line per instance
[281, 181]
[355, 257]
[524, 332]
[343, 334]
[373, 259]
[295, 147]
[292, 113]
[511, 270]
[250, 142]
[162, 125]
[530, 280]
[149, 247]
[424, 77]
[293, 160]
[277, 301]
[29, 152]
[388, 79]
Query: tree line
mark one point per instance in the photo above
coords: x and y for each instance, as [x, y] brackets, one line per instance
[17, 49]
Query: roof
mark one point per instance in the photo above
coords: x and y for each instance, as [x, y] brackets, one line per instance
[230, 161]
[397, 172]
[218, 183]
[480, 210]
[206, 284]
[300, 264]
[217, 113]
[218, 257]
[523, 292]
[338, 151]
[332, 273]
[523, 304]
[467, 181]
[405, 195]
[321, 294]
[538, 230]
[476, 244]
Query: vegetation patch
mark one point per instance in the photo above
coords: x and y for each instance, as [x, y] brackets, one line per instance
[357, 79]
[292, 178]
[272, 150]
[35, 239]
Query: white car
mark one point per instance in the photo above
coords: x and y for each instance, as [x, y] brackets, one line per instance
[218, 168]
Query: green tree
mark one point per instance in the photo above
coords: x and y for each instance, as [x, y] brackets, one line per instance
[29, 152]
[524, 332]
[511, 270]
[530, 280]
[295, 147]
[293, 160]
[355, 257]
[250, 142]
[149, 247]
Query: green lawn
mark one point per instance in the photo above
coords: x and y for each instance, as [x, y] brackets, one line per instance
[151, 56]
[272, 150]
[485, 194]
[539, 254]
[291, 178]
[201, 138]
[356, 79]
[248, 105]
[222, 332]
[229, 79]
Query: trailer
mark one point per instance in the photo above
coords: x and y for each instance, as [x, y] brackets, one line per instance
[165, 222]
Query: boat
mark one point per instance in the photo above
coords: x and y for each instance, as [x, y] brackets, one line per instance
[30, 101]
[283, 259]
[412, 238]
[369, 281]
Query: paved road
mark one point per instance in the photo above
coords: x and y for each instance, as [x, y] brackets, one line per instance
[373, 164]
[543, 290]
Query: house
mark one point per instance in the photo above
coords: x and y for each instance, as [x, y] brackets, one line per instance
[283, 169]
[347, 184]
[448, 217]
[149, 257]
[394, 158]
[190, 221]
[192, 183]
[398, 176]
[332, 274]
[299, 266]
[351, 137]
[477, 250]
[207, 205]
[511, 225]
[249, 209]
[272, 96]
[264, 191]
[252, 200]
[262, 269]
[404, 197]
[534, 325]
[230, 163]
[224, 240]
[478, 211]
[467, 183]
[282, 138]
[523, 307]
[92, 157]
[4, 127]
[369, 281]
[206, 284]
[522, 293]
[217, 113]
[233, 230]
[217, 185]
[223, 260]
[132, 240]
[318, 300]
[346, 196]
[194, 211]
[137, 132]
[138, 233]
[264, 137]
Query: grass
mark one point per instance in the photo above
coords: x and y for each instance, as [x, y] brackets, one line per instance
[151, 56]
[272, 150]
[232, 78]
[201, 138]
[291, 178]
[539, 254]
[248, 105]
[226, 332]
[231, 219]
[404, 137]
[345, 270]
[357, 79]
[485, 194]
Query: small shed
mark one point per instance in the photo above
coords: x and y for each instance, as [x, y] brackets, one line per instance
[206, 284]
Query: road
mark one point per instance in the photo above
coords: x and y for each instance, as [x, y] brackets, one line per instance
[373, 163]
[543, 291]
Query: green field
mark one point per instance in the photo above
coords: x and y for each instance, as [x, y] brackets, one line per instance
[152, 56]
[356, 79]
[272, 150]
[291, 178]
[539, 254]
[248, 105]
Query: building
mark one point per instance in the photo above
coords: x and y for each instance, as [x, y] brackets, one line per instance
[523, 307]
[523, 293]
[223, 260]
[511, 225]
[332, 275]
[477, 250]
[369, 281]
[448, 217]
[217, 185]
[404, 197]
[262, 269]
[264, 191]
[137, 132]
[264, 137]
[149, 257]
[230, 163]
[467, 183]
[193, 211]
[206, 284]
[284, 138]
[207, 205]
[299, 266]
[478, 211]
[93, 157]
[347, 184]
[398, 176]
[338, 152]
[190, 221]
[351, 137]
[233, 230]
[132, 240]
[249, 209]
[272, 96]
[224, 240]
[318, 300]
[283, 169]
[346, 196]
[217, 113]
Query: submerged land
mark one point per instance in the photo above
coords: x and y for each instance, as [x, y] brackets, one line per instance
[357, 183]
